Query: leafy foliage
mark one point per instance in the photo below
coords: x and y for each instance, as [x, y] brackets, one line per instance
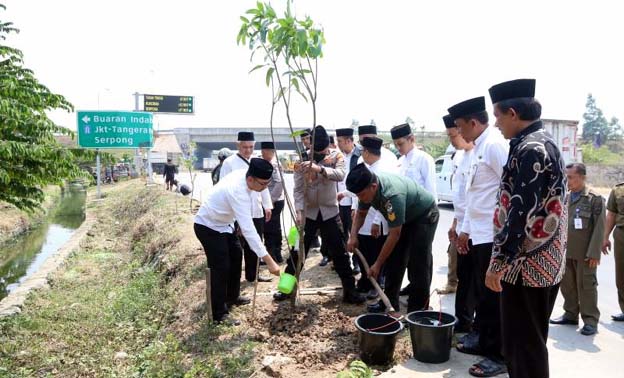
[596, 128]
[357, 369]
[30, 156]
[601, 155]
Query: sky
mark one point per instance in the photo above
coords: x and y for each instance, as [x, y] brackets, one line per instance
[383, 60]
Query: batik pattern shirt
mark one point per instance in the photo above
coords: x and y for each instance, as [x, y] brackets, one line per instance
[530, 220]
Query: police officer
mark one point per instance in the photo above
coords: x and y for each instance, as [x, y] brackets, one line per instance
[317, 206]
[412, 216]
[615, 223]
[586, 220]
[231, 199]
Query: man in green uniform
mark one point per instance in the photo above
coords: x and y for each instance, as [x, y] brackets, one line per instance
[615, 218]
[412, 216]
[586, 219]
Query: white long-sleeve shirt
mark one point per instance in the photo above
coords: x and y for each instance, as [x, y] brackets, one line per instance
[228, 200]
[263, 199]
[342, 185]
[489, 156]
[387, 163]
[461, 168]
[420, 167]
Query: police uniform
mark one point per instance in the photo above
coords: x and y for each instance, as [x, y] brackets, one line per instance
[579, 286]
[615, 205]
[230, 199]
[405, 204]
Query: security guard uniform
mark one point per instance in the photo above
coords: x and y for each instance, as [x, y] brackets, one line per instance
[615, 204]
[586, 222]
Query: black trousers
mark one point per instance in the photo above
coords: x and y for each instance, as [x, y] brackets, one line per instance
[465, 301]
[370, 248]
[273, 232]
[224, 255]
[413, 251]
[345, 218]
[251, 259]
[524, 317]
[331, 232]
[488, 303]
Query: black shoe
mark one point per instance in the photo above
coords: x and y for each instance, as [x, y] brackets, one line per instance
[228, 320]
[324, 261]
[376, 307]
[240, 301]
[588, 330]
[352, 296]
[279, 296]
[405, 290]
[618, 318]
[563, 320]
[264, 279]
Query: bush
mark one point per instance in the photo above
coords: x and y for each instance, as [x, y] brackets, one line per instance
[600, 155]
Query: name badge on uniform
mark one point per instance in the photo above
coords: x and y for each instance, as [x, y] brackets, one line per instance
[390, 211]
[578, 222]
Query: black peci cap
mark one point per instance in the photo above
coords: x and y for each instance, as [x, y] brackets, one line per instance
[267, 145]
[372, 143]
[367, 129]
[306, 133]
[468, 107]
[359, 178]
[400, 131]
[347, 132]
[521, 88]
[245, 136]
[320, 137]
[448, 121]
[260, 168]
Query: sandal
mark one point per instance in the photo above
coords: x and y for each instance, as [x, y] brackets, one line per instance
[487, 368]
[469, 346]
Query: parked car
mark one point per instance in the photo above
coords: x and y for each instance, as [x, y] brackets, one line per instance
[444, 177]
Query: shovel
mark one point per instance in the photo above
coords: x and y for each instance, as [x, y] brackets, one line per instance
[383, 296]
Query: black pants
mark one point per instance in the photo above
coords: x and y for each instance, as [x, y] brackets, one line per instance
[370, 248]
[251, 259]
[524, 317]
[345, 218]
[488, 303]
[331, 233]
[224, 255]
[273, 232]
[465, 301]
[413, 251]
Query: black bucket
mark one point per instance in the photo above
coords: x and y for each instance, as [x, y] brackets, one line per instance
[377, 345]
[431, 333]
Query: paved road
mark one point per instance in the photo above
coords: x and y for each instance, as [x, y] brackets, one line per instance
[571, 354]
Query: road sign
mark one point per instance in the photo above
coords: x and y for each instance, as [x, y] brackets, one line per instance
[114, 129]
[168, 104]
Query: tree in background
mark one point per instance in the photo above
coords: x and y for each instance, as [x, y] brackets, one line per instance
[30, 156]
[596, 128]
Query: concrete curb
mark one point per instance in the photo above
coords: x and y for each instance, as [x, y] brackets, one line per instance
[13, 303]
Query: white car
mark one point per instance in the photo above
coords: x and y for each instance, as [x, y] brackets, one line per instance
[444, 176]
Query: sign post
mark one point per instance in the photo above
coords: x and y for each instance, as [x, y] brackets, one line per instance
[168, 104]
[98, 170]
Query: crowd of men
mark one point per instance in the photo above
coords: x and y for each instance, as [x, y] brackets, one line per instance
[513, 217]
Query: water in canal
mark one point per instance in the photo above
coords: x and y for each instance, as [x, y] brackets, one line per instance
[22, 257]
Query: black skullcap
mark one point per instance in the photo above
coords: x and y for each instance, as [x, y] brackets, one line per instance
[512, 89]
[331, 140]
[184, 189]
[372, 143]
[245, 136]
[367, 129]
[468, 107]
[260, 168]
[400, 131]
[348, 132]
[306, 133]
[448, 121]
[267, 145]
[359, 178]
[320, 137]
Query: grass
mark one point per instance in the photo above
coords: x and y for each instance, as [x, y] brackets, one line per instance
[111, 310]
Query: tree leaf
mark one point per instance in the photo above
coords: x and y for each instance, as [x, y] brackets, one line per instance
[257, 67]
[269, 75]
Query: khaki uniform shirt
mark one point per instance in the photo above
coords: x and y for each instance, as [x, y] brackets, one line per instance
[615, 204]
[321, 188]
[586, 222]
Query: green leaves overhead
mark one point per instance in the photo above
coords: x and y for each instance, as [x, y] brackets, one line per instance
[30, 156]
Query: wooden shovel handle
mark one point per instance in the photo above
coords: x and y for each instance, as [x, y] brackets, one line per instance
[382, 295]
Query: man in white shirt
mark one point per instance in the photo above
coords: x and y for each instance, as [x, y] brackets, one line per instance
[231, 199]
[373, 233]
[370, 131]
[273, 227]
[465, 298]
[351, 155]
[414, 164]
[261, 204]
[477, 232]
